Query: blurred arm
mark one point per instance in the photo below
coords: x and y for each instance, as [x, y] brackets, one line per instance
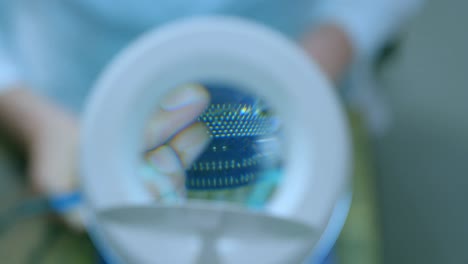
[24, 115]
[46, 132]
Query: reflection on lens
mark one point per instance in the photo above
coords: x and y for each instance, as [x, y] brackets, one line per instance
[240, 161]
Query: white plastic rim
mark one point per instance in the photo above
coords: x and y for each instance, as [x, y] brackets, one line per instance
[226, 50]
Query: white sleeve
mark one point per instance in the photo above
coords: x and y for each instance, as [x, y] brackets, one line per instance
[369, 23]
[9, 74]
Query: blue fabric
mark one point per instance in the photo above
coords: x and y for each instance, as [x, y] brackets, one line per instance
[63, 203]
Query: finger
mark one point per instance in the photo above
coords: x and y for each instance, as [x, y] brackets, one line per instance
[177, 110]
[170, 174]
[190, 143]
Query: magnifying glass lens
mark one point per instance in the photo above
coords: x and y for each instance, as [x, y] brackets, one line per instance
[213, 142]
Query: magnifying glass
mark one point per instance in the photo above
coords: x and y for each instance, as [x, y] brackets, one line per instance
[213, 140]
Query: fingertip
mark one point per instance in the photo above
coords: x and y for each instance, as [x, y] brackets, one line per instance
[185, 95]
[190, 143]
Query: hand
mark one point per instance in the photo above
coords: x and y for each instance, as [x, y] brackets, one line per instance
[175, 139]
[49, 136]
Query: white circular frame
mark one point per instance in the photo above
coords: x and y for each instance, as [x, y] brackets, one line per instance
[229, 50]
